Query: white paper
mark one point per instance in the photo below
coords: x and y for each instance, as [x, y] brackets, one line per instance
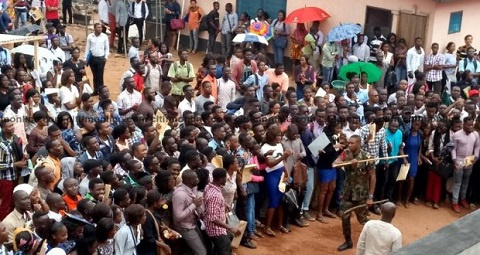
[319, 144]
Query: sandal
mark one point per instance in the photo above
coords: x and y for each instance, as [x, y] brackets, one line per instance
[329, 214]
[259, 234]
[321, 220]
[258, 224]
[269, 232]
[284, 230]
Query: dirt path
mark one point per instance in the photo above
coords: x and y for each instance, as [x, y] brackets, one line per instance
[414, 223]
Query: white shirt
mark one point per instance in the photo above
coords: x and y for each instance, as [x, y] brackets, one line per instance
[159, 100]
[97, 45]
[388, 58]
[54, 216]
[379, 237]
[320, 40]
[186, 105]
[126, 100]
[129, 73]
[349, 133]
[415, 60]
[226, 92]
[125, 241]
[133, 53]
[103, 11]
[362, 52]
[67, 95]
[59, 53]
[153, 78]
[138, 10]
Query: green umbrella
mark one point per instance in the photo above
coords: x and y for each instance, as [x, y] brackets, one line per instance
[373, 72]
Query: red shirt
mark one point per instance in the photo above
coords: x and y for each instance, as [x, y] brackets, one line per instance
[51, 14]
[138, 78]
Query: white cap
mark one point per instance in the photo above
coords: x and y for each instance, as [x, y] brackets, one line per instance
[352, 59]
[25, 187]
[49, 91]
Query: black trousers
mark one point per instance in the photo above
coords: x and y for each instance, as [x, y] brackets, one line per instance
[222, 244]
[120, 32]
[139, 23]
[97, 65]
[381, 175]
[66, 9]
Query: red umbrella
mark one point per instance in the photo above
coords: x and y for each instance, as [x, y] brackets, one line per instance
[307, 14]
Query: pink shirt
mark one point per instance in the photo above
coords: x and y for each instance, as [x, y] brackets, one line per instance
[465, 145]
[281, 79]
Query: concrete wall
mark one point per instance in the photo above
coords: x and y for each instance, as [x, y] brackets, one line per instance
[470, 21]
[344, 11]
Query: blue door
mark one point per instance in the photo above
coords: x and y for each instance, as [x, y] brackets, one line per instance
[270, 6]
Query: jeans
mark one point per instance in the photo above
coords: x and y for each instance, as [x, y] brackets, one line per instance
[4, 21]
[211, 41]
[250, 213]
[300, 91]
[327, 74]
[22, 15]
[227, 45]
[97, 65]
[194, 240]
[222, 244]
[278, 54]
[401, 73]
[339, 187]
[310, 186]
[194, 40]
[461, 177]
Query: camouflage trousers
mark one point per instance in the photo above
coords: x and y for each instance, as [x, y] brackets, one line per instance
[361, 214]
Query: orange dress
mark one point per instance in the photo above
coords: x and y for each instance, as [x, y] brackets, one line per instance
[193, 17]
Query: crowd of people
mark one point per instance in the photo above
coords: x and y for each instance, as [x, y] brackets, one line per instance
[141, 173]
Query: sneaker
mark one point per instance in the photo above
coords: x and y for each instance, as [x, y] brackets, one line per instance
[456, 208]
[249, 244]
[308, 217]
[464, 203]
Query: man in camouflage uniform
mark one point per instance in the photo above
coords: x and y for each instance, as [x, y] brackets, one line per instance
[358, 188]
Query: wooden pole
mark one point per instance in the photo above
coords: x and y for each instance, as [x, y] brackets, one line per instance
[36, 61]
[367, 160]
[365, 205]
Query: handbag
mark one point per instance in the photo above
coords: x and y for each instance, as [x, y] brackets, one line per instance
[300, 175]
[177, 24]
[232, 219]
[444, 169]
[290, 198]
[159, 249]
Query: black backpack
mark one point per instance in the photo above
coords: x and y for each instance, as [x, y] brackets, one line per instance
[204, 23]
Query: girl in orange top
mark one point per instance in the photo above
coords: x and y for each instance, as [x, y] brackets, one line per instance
[195, 15]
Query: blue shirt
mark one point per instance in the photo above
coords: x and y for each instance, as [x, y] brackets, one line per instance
[214, 145]
[395, 140]
[262, 81]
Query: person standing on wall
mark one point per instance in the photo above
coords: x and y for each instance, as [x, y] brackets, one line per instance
[172, 11]
[121, 21]
[67, 8]
[281, 37]
[96, 54]
[229, 26]
[138, 13]
[213, 20]
[112, 5]
[51, 13]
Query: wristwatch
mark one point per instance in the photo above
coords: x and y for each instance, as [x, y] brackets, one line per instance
[370, 196]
